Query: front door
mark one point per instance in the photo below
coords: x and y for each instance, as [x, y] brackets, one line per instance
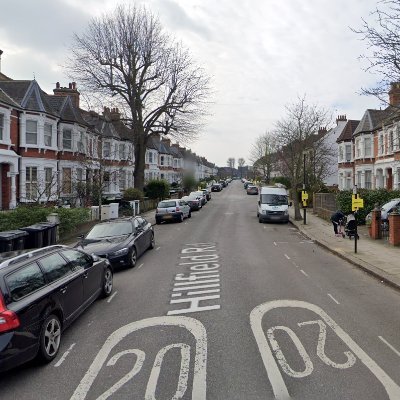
[389, 185]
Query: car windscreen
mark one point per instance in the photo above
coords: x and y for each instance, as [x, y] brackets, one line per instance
[166, 204]
[274, 199]
[111, 229]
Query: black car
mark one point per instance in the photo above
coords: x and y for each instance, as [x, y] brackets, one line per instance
[216, 187]
[41, 293]
[122, 241]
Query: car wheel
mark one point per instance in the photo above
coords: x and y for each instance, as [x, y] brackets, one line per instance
[260, 220]
[180, 218]
[190, 214]
[158, 221]
[132, 257]
[107, 282]
[50, 339]
[152, 242]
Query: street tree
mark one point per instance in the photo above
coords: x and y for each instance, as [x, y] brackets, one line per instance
[231, 164]
[382, 38]
[241, 163]
[296, 136]
[263, 154]
[124, 58]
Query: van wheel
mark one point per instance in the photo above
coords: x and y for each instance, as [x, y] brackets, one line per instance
[260, 220]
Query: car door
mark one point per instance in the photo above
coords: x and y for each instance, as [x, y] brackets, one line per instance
[92, 273]
[147, 232]
[66, 283]
[185, 208]
[139, 236]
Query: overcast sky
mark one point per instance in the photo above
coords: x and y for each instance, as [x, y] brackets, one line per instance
[260, 54]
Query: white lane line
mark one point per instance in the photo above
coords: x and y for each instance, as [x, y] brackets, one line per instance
[389, 345]
[333, 298]
[304, 273]
[140, 266]
[64, 356]
[158, 248]
[112, 296]
[287, 256]
[264, 227]
[275, 244]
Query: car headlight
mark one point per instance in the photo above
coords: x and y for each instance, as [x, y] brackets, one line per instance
[286, 212]
[120, 252]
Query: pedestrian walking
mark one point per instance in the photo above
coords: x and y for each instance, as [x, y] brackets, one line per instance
[336, 219]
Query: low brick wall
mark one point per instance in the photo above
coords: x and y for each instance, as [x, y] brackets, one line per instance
[324, 204]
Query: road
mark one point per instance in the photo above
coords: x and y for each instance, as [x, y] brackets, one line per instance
[227, 308]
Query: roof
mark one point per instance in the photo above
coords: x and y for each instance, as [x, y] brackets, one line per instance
[372, 119]
[348, 130]
[4, 98]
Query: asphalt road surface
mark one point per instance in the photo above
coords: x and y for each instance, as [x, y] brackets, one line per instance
[227, 308]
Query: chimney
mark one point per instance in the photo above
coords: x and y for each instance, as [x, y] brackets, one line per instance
[322, 130]
[394, 94]
[70, 91]
[167, 142]
[341, 118]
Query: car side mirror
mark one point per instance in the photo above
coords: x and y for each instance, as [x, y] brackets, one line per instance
[80, 236]
[290, 204]
[259, 202]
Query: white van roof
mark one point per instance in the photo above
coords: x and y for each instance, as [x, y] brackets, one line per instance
[273, 190]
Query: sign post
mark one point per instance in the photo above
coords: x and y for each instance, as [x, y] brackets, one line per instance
[356, 203]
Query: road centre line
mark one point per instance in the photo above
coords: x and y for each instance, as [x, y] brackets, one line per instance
[158, 248]
[287, 256]
[303, 272]
[112, 296]
[140, 266]
[64, 356]
[389, 345]
[275, 244]
[333, 298]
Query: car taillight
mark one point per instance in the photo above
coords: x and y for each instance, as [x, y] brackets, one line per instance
[177, 208]
[8, 319]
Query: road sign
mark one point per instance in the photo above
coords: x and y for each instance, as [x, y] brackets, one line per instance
[304, 195]
[356, 202]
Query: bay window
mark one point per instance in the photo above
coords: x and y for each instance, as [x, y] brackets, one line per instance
[67, 139]
[48, 130]
[31, 132]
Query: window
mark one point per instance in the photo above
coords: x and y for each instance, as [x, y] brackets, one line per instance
[67, 139]
[48, 130]
[25, 281]
[367, 147]
[79, 174]
[348, 152]
[31, 132]
[122, 151]
[77, 260]
[106, 149]
[48, 180]
[368, 179]
[31, 182]
[122, 179]
[162, 160]
[359, 179]
[54, 267]
[66, 180]
[391, 142]
[90, 147]
[380, 146]
[150, 157]
[1, 126]
[358, 148]
[81, 147]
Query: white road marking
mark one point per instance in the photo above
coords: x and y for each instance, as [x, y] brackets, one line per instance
[112, 296]
[287, 256]
[390, 346]
[304, 273]
[197, 282]
[257, 316]
[196, 287]
[333, 298]
[195, 327]
[140, 266]
[204, 291]
[158, 248]
[275, 244]
[64, 356]
[176, 294]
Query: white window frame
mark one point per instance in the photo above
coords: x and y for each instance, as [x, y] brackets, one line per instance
[106, 149]
[64, 140]
[347, 146]
[80, 144]
[366, 152]
[30, 184]
[368, 179]
[121, 151]
[47, 135]
[2, 123]
[28, 121]
[63, 182]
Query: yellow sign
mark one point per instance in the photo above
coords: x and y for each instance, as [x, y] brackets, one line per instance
[304, 203]
[304, 196]
[356, 202]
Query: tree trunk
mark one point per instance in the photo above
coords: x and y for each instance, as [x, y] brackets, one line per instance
[296, 202]
[140, 160]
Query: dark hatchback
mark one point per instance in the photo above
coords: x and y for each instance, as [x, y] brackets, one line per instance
[122, 241]
[41, 293]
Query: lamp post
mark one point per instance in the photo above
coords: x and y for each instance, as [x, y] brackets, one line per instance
[304, 188]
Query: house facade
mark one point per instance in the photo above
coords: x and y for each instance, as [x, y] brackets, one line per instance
[51, 150]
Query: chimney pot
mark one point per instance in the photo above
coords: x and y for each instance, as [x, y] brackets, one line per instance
[57, 85]
[70, 85]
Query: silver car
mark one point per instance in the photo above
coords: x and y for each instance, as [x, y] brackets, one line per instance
[172, 210]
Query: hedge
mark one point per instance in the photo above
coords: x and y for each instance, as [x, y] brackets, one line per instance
[371, 197]
[24, 216]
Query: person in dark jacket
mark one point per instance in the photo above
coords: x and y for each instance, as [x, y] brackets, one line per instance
[335, 219]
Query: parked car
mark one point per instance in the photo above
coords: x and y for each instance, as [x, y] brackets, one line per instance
[216, 187]
[386, 209]
[122, 241]
[247, 183]
[223, 183]
[252, 189]
[199, 195]
[172, 210]
[207, 193]
[194, 203]
[41, 293]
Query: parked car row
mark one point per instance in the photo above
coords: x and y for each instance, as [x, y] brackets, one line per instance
[43, 291]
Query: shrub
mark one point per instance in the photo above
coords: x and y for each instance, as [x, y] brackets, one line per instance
[189, 183]
[70, 218]
[283, 180]
[133, 194]
[157, 189]
[23, 216]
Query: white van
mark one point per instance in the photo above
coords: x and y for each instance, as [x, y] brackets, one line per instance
[273, 204]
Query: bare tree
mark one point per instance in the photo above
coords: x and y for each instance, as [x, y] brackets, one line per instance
[383, 46]
[241, 163]
[296, 135]
[126, 59]
[231, 164]
[263, 154]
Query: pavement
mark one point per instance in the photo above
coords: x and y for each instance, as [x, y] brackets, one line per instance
[376, 257]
